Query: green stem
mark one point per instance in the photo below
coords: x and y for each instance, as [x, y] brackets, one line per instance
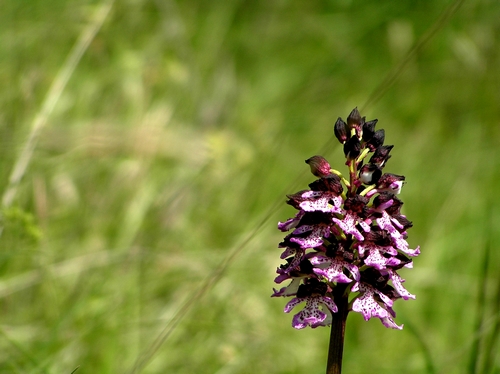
[338, 173]
[336, 349]
[362, 155]
[352, 177]
[367, 189]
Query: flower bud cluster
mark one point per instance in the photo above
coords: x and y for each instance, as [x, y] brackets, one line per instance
[348, 234]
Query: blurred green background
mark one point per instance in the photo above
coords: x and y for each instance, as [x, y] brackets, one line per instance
[170, 150]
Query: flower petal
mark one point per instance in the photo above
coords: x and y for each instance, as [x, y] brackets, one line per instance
[397, 282]
[291, 222]
[348, 225]
[314, 239]
[289, 290]
[389, 322]
[367, 305]
[334, 271]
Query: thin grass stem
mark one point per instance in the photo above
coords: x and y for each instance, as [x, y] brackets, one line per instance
[474, 359]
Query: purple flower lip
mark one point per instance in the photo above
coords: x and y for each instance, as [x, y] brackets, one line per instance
[317, 312]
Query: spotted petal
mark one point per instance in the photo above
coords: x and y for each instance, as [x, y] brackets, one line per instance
[317, 311]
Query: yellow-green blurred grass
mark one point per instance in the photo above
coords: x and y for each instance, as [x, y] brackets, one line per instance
[180, 131]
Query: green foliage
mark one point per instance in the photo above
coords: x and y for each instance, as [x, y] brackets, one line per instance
[170, 151]
[21, 226]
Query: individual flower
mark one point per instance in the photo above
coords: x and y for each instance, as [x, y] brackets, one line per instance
[318, 308]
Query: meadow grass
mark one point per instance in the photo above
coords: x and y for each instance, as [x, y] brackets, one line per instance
[142, 235]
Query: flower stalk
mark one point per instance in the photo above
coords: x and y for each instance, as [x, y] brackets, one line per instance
[337, 333]
[347, 240]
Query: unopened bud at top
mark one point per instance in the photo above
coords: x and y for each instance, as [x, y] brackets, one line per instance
[377, 140]
[341, 131]
[369, 129]
[352, 148]
[354, 119]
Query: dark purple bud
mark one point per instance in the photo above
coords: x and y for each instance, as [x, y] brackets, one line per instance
[319, 166]
[356, 204]
[378, 236]
[354, 119]
[312, 288]
[370, 174]
[341, 131]
[352, 148]
[382, 200]
[333, 249]
[305, 267]
[388, 202]
[374, 278]
[303, 291]
[381, 155]
[377, 140]
[314, 218]
[359, 128]
[391, 182]
[395, 208]
[369, 129]
[329, 183]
